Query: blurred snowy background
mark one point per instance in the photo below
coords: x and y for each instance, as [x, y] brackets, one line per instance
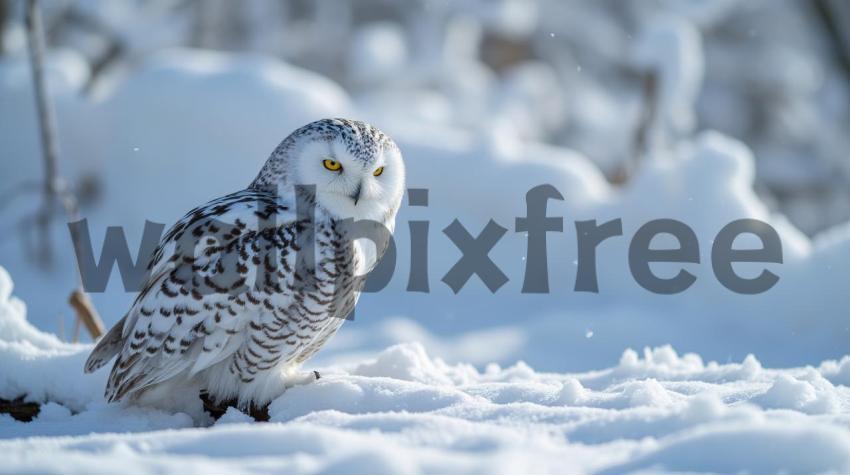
[771, 73]
[165, 104]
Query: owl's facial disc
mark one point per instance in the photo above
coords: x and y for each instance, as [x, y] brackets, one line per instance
[351, 186]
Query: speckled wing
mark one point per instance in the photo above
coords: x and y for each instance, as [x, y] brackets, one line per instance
[220, 275]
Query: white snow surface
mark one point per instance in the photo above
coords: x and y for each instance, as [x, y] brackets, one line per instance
[404, 411]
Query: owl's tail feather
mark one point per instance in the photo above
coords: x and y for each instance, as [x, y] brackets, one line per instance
[106, 348]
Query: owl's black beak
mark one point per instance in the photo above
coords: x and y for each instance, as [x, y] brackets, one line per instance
[356, 195]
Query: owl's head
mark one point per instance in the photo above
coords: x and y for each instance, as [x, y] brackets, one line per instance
[357, 170]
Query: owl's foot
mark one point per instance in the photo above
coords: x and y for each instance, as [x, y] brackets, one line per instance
[216, 409]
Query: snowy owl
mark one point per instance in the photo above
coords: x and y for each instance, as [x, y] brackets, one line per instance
[245, 288]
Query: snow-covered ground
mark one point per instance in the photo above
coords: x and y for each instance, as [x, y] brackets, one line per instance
[404, 411]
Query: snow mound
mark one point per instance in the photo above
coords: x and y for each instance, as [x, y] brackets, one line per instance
[767, 447]
[14, 328]
[36, 364]
[837, 371]
[817, 396]
[406, 362]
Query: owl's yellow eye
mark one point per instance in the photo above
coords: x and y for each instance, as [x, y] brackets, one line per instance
[378, 171]
[332, 165]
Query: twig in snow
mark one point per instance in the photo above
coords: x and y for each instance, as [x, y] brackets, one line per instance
[86, 313]
[4, 12]
[642, 140]
[19, 410]
[835, 17]
[54, 189]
